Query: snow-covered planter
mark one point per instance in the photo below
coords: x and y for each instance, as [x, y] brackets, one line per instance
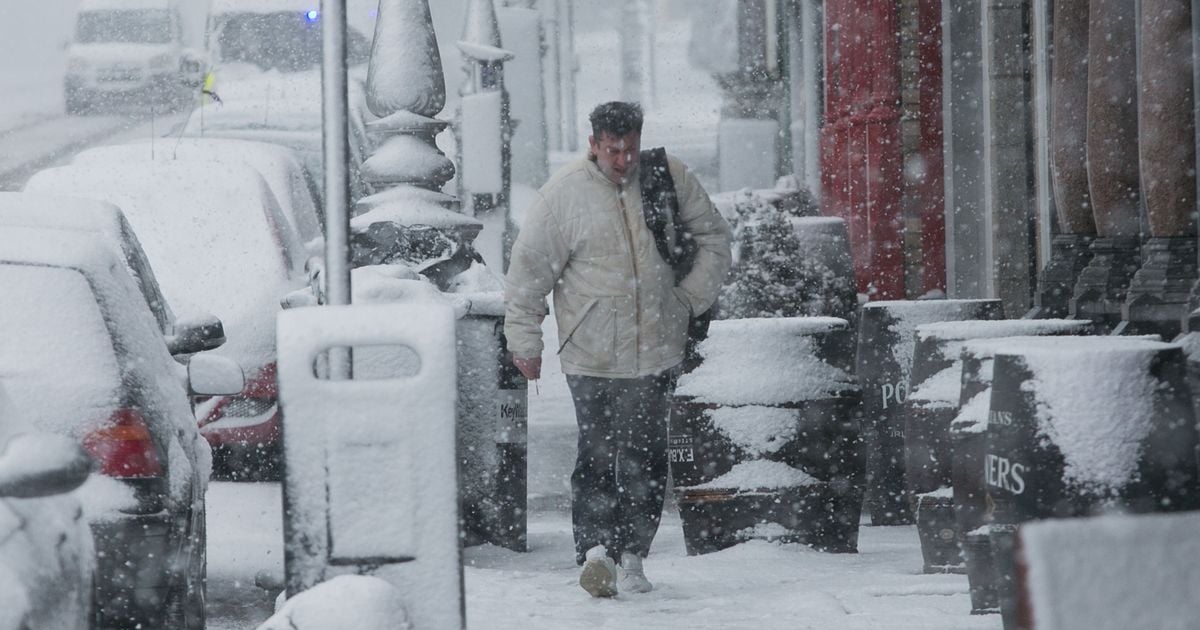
[934, 390]
[1077, 426]
[886, 339]
[763, 439]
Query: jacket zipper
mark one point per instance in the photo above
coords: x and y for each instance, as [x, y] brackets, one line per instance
[637, 311]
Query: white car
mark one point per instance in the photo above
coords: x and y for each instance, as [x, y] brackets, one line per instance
[195, 332]
[216, 237]
[128, 47]
[293, 187]
[84, 358]
[46, 554]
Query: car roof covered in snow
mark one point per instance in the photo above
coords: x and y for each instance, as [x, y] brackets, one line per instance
[213, 232]
[278, 165]
[57, 248]
[99, 218]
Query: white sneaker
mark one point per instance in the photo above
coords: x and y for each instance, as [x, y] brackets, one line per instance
[630, 577]
[599, 574]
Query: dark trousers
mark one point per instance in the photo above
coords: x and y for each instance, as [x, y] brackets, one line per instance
[620, 477]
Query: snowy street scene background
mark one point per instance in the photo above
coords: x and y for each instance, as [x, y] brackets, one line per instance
[253, 369]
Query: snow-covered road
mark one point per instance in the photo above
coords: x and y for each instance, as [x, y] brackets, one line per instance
[32, 142]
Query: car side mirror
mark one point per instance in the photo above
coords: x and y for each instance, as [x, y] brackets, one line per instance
[196, 334]
[42, 464]
[211, 375]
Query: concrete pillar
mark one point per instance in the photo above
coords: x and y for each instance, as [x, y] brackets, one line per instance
[1158, 294]
[1070, 251]
[1008, 162]
[1112, 140]
[805, 65]
[521, 30]
[967, 247]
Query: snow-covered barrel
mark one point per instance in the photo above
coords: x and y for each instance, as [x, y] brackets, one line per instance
[1077, 426]
[886, 337]
[763, 439]
[935, 387]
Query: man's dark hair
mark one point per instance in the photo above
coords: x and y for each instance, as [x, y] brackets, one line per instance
[616, 118]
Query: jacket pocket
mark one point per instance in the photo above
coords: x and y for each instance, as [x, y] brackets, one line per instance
[583, 313]
[591, 343]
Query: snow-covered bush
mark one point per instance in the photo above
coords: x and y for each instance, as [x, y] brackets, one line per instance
[786, 264]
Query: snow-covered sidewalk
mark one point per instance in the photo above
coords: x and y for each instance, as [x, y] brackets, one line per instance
[755, 585]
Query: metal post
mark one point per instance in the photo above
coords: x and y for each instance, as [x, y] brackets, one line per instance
[570, 132]
[337, 157]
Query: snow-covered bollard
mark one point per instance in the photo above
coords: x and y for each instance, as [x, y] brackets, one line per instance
[886, 336]
[371, 475]
[763, 440]
[935, 387]
[358, 601]
[1078, 426]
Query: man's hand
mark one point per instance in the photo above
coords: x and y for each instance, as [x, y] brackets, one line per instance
[531, 367]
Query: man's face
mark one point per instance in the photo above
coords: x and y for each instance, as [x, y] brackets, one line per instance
[616, 156]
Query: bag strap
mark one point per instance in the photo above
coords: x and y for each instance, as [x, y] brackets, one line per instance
[660, 204]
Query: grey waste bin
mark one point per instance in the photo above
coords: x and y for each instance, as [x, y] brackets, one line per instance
[886, 337]
[934, 391]
[493, 402]
[763, 438]
[1081, 425]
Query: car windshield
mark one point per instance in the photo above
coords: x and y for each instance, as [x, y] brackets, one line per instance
[143, 26]
[57, 357]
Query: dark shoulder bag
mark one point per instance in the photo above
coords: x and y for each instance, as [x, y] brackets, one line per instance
[660, 207]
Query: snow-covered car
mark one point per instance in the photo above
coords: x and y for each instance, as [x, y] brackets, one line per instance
[46, 555]
[274, 34]
[293, 187]
[84, 358]
[216, 236]
[123, 47]
[193, 333]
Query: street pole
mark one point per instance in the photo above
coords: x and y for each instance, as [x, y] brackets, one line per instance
[335, 125]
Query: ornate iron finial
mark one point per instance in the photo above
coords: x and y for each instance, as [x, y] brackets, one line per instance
[405, 71]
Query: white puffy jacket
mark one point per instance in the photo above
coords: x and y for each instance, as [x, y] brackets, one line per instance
[619, 312]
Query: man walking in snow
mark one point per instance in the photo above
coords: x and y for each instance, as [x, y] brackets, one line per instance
[622, 322]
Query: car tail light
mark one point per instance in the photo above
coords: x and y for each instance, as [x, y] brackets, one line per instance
[123, 447]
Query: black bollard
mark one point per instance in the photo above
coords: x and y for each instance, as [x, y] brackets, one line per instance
[763, 438]
[884, 357]
[1077, 426]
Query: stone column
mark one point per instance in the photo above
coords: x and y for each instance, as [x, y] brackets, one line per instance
[1112, 143]
[1069, 249]
[1158, 295]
